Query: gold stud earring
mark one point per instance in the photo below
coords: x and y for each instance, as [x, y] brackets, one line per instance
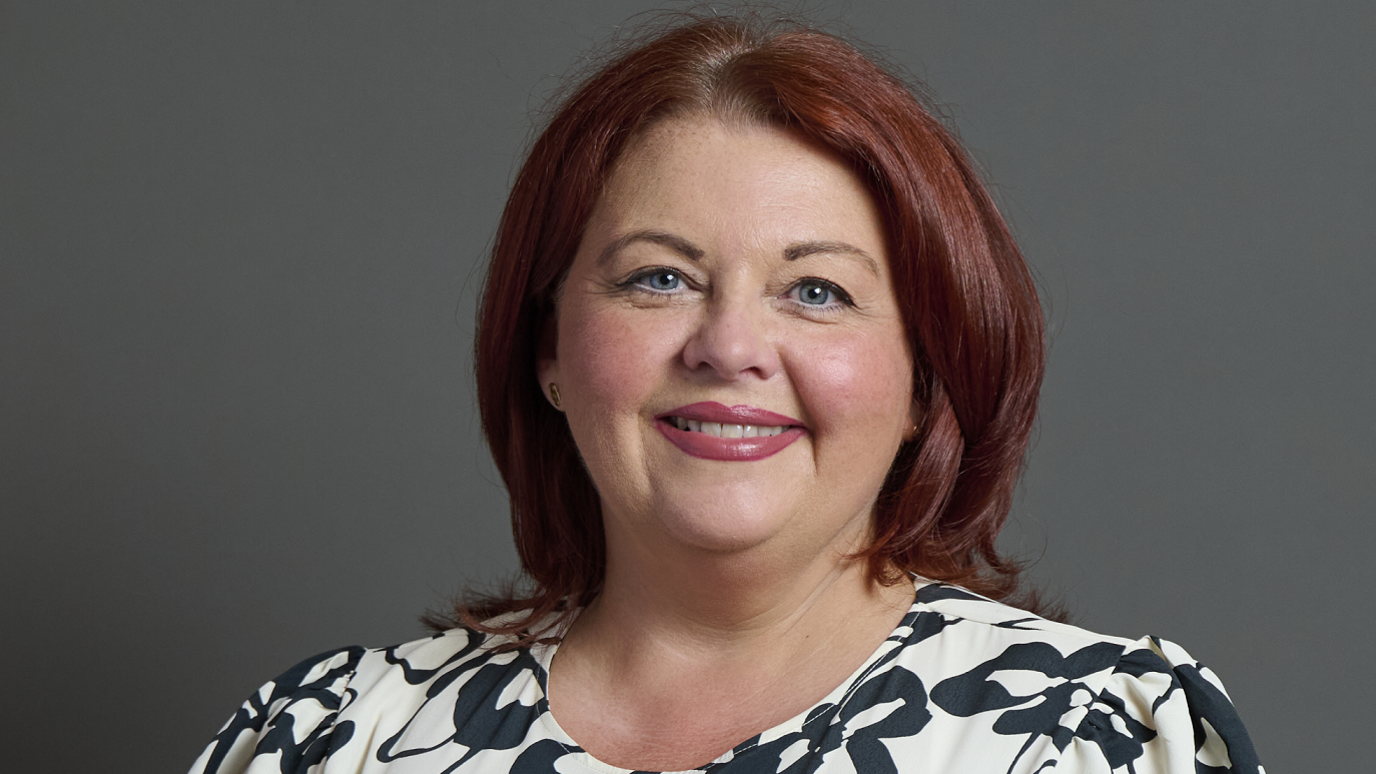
[554, 394]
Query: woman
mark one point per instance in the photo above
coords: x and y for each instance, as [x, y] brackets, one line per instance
[758, 361]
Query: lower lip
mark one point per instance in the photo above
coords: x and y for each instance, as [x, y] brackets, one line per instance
[711, 447]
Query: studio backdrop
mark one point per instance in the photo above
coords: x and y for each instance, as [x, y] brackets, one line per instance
[241, 243]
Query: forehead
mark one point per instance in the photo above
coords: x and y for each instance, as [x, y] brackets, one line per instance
[703, 172]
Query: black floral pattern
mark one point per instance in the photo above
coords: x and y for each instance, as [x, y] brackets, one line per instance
[963, 684]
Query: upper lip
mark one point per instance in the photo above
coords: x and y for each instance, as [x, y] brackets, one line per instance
[711, 411]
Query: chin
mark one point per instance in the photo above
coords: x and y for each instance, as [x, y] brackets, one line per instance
[724, 530]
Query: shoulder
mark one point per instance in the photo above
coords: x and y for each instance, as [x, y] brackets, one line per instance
[289, 719]
[309, 713]
[952, 634]
[1056, 694]
[957, 605]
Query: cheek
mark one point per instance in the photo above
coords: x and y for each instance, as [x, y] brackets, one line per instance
[606, 360]
[857, 389]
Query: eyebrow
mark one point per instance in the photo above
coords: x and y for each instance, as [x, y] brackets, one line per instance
[804, 249]
[694, 253]
[672, 241]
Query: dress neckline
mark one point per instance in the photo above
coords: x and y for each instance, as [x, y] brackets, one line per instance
[543, 653]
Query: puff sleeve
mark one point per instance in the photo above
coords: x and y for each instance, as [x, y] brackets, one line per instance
[1160, 712]
[288, 726]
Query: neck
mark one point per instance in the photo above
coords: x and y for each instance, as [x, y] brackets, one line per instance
[687, 653]
[714, 609]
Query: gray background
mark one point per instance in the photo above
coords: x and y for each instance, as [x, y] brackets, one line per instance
[239, 251]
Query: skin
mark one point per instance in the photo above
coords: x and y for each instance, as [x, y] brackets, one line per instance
[737, 264]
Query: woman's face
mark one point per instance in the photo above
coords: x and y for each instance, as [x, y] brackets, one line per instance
[733, 281]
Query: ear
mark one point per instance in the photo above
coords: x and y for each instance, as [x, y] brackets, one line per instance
[547, 355]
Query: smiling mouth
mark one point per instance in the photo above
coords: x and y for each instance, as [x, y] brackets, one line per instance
[725, 430]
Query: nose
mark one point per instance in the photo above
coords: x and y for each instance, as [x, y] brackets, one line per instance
[732, 340]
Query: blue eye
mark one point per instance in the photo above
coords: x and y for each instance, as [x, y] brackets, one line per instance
[814, 293]
[820, 294]
[662, 280]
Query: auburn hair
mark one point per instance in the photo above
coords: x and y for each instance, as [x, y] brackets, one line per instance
[969, 306]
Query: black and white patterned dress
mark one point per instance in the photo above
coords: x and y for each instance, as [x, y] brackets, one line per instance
[963, 684]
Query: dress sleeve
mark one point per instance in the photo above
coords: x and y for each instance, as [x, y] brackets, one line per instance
[1161, 712]
[288, 726]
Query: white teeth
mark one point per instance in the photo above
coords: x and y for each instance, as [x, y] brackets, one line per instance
[725, 430]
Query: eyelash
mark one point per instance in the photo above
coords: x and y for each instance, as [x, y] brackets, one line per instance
[841, 298]
[638, 281]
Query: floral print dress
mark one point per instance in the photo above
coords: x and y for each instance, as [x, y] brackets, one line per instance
[963, 685]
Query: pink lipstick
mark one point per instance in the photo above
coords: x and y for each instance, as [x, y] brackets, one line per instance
[712, 431]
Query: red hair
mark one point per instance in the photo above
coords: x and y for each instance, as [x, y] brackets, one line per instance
[969, 306]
